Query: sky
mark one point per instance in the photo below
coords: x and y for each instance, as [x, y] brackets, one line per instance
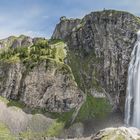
[38, 18]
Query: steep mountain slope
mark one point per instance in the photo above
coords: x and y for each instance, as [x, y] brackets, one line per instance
[65, 83]
[100, 47]
[35, 79]
[33, 72]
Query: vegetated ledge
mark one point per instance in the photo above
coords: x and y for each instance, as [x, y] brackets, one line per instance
[37, 75]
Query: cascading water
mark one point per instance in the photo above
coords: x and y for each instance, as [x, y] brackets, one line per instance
[132, 104]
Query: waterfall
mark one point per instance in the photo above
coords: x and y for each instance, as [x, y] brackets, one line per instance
[132, 104]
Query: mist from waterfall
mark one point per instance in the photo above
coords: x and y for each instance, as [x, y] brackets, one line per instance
[132, 104]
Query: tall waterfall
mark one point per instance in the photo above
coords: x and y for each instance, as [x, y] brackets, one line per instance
[132, 104]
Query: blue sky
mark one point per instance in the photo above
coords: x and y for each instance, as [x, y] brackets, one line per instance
[39, 17]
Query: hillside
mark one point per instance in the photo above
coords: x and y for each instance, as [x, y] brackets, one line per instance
[71, 85]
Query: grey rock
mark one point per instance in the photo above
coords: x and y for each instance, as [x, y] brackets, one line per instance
[120, 133]
[64, 28]
[13, 42]
[18, 121]
[100, 49]
[49, 88]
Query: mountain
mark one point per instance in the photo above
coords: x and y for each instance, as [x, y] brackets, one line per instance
[35, 79]
[72, 85]
[36, 74]
[100, 47]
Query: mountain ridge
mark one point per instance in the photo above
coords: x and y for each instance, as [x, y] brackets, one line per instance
[79, 75]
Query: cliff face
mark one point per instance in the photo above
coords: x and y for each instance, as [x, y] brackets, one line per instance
[51, 88]
[64, 28]
[100, 48]
[36, 75]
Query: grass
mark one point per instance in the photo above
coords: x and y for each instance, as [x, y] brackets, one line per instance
[63, 120]
[16, 104]
[63, 117]
[82, 71]
[5, 133]
[93, 108]
[4, 100]
[55, 129]
[12, 103]
[54, 41]
[30, 135]
[40, 50]
[114, 134]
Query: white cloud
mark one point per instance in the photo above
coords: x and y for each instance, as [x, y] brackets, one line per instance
[33, 11]
[45, 16]
[21, 23]
[35, 19]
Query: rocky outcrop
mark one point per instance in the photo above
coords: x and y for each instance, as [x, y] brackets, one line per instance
[42, 82]
[52, 88]
[18, 121]
[64, 28]
[14, 42]
[121, 133]
[21, 41]
[100, 48]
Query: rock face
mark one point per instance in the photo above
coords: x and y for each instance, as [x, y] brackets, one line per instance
[100, 48]
[18, 121]
[121, 133]
[64, 28]
[14, 42]
[48, 88]
[47, 83]
[21, 41]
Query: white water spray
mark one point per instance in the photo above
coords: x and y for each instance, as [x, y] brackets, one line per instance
[132, 104]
